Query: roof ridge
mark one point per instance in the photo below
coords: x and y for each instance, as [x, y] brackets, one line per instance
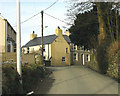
[47, 36]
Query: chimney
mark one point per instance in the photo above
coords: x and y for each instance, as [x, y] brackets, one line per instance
[33, 35]
[67, 32]
[58, 31]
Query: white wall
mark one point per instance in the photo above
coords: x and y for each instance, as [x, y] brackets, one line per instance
[46, 53]
[36, 48]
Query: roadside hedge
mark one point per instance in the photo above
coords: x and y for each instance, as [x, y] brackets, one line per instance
[10, 78]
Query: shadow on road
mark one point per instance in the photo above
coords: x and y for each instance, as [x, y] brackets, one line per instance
[44, 85]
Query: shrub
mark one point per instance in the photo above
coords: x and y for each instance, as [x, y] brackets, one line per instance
[114, 60]
[10, 78]
[31, 73]
[102, 56]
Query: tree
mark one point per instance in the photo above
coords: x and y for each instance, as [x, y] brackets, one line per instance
[85, 29]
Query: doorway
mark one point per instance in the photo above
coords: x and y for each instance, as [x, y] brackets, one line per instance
[82, 59]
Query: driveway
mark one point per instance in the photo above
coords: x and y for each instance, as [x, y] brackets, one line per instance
[76, 80]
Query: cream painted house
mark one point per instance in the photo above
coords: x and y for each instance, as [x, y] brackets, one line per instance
[57, 49]
[7, 35]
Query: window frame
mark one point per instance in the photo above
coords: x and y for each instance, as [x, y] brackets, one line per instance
[88, 57]
[75, 47]
[75, 57]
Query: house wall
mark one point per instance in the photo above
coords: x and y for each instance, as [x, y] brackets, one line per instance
[82, 57]
[5, 31]
[46, 53]
[2, 34]
[58, 50]
[32, 49]
[11, 32]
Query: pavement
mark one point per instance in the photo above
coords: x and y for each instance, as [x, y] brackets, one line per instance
[76, 80]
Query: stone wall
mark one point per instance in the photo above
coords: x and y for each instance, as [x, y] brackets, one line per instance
[11, 57]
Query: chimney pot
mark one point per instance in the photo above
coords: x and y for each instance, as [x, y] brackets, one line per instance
[58, 27]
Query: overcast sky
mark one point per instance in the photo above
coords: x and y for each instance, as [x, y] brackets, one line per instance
[30, 8]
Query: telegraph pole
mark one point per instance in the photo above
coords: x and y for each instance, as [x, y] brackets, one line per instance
[42, 31]
[19, 66]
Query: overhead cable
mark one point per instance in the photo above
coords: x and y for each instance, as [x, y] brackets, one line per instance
[38, 13]
[58, 19]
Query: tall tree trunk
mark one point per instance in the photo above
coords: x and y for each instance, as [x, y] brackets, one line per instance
[116, 23]
[102, 30]
[110, 26]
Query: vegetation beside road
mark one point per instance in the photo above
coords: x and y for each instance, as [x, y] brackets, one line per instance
[96, 26]
[30, 74]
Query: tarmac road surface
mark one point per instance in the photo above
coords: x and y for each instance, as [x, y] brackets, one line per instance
[76, 80]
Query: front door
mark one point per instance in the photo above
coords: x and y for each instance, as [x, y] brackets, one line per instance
[82, 59]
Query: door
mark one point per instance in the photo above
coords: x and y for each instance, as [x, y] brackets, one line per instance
[82, 59]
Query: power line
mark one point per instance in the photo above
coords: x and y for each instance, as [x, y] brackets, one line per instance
[38, 13]
[30, 18]
[58, 19]
[51, 5]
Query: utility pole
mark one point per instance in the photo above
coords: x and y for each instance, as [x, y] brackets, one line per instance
[19, 66]
[42, 31]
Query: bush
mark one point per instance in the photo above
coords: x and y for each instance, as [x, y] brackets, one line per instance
[10, 78]
[114, 60]
[30, 75]
[102, 56]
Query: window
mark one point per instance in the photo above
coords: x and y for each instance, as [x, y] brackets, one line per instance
[75, 56]
[44, 57]
[82, 48]
[28, 50]
[75, 47]
[88, 57]
[66, 50]
[63, 59]
[14, 48]
[43, 48]
[9, 47]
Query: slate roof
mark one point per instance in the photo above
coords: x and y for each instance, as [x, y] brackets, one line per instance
[46, 40]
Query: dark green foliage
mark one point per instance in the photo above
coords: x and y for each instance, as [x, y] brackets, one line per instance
[30, 75]
[10, 78]
[102, 56]
[85, 26]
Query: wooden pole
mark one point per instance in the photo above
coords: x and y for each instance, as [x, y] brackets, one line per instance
[42, 31]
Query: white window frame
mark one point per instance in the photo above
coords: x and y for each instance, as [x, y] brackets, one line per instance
[75, 47]
[75, 56]
[82, 48]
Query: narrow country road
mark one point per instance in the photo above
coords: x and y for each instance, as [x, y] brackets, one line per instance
[76, 80]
